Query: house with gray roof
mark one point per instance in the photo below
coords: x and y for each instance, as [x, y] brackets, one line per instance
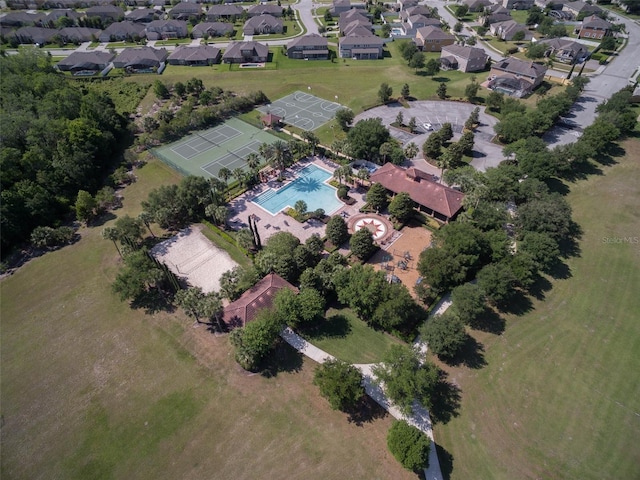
[224, 12]
[265, 9]
[594, 27]
[417, 10]
[357, 47]
[95, 61]
[580, 8]
[121, 31]
[31, 35]
[246, 52]
[464, 58]
[495, 18]
[262, 25]
[404, 4]
[351, 19]
[142, 15]
[507, 30]
[565, 50]
[164, 29]
[201, 55]
[516, 77]
[517, 4]
[339, 6]
[21, 19]
[107, 13]
[79, 34]
[185, 10]
[432, 39]
[476, 5]
[309, 47]
[212, 29]
[141, 59]
[54, 15]
[414, 22]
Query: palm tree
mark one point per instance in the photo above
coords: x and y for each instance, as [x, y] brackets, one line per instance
[300, 207]
[218, 213]
[280, 156]
[111, 233]
[411, 150]
[338, 174]
[224, 174]
[385, 149]
[253, 161]
[312, 139]
[239, 175]
[362, 175]
[147, 219]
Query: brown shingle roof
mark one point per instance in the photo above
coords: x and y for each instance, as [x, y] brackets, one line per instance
[421, 187]
[258, 297]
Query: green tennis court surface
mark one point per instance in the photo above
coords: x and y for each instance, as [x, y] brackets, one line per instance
[303, 110]
[204, 153]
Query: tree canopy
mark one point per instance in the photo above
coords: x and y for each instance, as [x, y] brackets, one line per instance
[366, 137]
[340, 383]
[409, 446]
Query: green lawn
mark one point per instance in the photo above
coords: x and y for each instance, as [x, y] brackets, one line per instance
[94, 390]
[348, 338]
[559, 397]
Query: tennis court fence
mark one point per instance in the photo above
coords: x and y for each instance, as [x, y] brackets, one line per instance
[164, 158]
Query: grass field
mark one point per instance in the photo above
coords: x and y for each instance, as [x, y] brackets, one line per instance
[348, 338]
[560, 397]
[94, 390]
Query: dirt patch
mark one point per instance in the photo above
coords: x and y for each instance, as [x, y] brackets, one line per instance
[191, 256]
[401, 257]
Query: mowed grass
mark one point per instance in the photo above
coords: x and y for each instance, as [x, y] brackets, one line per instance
[350, 339]
[93, 389]
[560, 396]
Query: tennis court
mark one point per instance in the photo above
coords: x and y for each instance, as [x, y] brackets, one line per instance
[205, 153]
[302, 110]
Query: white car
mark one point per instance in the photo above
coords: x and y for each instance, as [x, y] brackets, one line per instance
[427, 126]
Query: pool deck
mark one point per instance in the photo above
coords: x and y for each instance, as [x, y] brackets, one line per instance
[268, 224]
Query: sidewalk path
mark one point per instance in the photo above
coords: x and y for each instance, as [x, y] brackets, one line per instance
[419, 419]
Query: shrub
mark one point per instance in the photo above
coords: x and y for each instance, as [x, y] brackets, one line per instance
[409, 446]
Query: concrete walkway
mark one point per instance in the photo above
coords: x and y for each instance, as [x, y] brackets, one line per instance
[419, 419]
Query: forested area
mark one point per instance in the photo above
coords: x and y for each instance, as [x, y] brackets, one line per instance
[57, 138]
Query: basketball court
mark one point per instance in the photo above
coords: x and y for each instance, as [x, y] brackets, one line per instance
[302, 110]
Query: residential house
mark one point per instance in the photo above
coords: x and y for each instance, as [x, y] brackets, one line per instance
[141, 59]
[163, 29]
[433, 198]
[142, 15]
[494, 18]
[73, 3]
[262, 25]
[339, 6]
[246, 52]
[594, 27]
[432, 39]
[516, 77]
[201, 55]
[121, 31]
[414, 22]
[106, 13]
[308, 47]
[404, 4]
[79, 34]
[417, 10]
[21, 19]
[565, 50]
[54, 16]
[463, 58]
[351, 19]
[476, 5]
[185, 10]
[83, 62]
[357, 47]
[259, 297]
[224, 12]
[517, 4]
[265, 9]
[31, 35]
[507, 30]
[358, 29]
[212, 29]
[580, 8]
[555, 5]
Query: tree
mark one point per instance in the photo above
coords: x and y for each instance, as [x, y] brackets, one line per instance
[386, 30]
[179, 89]
[518, 36]
[468, 302]
[442, 91]
[385, 92]
[461, 10]
[446, 132]
[400, 119]
[401, 207]
[256, 339]
[360, 287]
[497, 282]
[161, 90]
[411, 150]
[417, 61]
[494, 100]
[362, 245]
[550, 215]
[466, 142]
[457, 28]
[397, 310]
[279, 155]
[536, 50]
[299, 308]
[224, 174]
[513, 126]
[190, 300]
[409, 446]
[407, 49]
[445, 335]
[471, 90]
[85, 206]
[336, 231]
[218, 213]
[432, 67]
[608, 43]
[535, 16]
[340, 383]
[312, 139]
[405, 91]
[139, 275]
[406, 378]
[377, 197]
[300, 207]
[412, 128]
[344, 117]
[366, 137]
[432, 147]
[129, 230]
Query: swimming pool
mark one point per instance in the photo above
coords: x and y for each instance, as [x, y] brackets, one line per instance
[308, 186]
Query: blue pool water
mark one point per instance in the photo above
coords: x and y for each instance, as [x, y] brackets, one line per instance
[308, 186]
